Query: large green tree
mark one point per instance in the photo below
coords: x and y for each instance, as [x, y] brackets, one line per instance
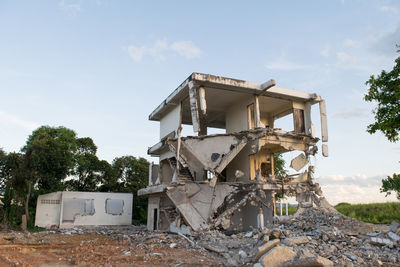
[384, 90]
[12, 184]
[132, 174]
[87, 172]
[48, 159]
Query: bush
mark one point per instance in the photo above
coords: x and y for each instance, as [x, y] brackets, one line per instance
[380, 213]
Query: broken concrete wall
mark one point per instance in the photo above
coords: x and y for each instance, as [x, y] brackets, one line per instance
[247, 217]
[240, 163]
[84, 208]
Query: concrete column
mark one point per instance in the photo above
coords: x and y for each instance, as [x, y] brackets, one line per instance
[151, 173]
[260, 220]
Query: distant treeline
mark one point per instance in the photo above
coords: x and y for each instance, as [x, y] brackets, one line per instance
[55, 159]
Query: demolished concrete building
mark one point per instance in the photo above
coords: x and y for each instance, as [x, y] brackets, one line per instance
[227, 181]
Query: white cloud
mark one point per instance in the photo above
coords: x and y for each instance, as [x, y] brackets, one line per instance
[285, 65]
[161, 47]
[325, 52]
[353, 113]
[158, 49]
[351, 43]
[358, 188]
[346, 60]
[136, 53]
[71, 8]
[7, 119]
[186, 49]
[390, 9]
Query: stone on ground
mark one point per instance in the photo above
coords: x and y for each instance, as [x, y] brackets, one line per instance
[317, 261]
[277, 256]
[266, 247]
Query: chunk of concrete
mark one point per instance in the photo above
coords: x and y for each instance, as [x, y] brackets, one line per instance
[299, 162]
[266, 247]
[185, 230]
[394, 227]
[298, 240]
[249, 234]
[393, 236]
[306, 205]
[242, 254]
[325, 151]
[381, 241]
[277, 256]
[317, 261]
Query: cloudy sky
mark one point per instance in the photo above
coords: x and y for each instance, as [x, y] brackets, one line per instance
[100, 67]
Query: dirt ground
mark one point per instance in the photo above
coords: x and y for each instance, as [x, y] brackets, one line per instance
[100, 248]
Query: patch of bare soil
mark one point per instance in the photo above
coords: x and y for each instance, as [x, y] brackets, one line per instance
[126, 247]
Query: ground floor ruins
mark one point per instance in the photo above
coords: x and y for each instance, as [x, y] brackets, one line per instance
[316, 237]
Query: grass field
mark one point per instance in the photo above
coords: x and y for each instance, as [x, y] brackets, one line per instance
[382, 213]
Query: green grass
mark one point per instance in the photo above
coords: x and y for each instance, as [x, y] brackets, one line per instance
[380, 213]
[292, 210]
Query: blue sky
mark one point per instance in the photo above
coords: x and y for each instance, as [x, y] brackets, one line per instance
[100, 67]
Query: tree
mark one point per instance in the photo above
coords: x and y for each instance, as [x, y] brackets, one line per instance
[3, 159]
[12, 182]
[132, 174]
[384, 89]
[48, 159]
[86, 172]
[391, 184]
[279, 166]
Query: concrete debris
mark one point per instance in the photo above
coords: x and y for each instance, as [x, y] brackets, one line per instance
[393, 236]
[277, 256]
[317, 261]
[381, 241]
[394, 227]
[316, 237]
[299, 162]
[242, 254]
[249, 234]
[265, 248]
[306, 205]
[295, 240]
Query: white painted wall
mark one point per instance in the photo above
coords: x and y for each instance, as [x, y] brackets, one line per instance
[52, 214]
[47, 210]
[154, 203]
[236, 116]
[170, 122]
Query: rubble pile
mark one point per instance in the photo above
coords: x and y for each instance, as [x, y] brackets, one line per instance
[313, 237]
